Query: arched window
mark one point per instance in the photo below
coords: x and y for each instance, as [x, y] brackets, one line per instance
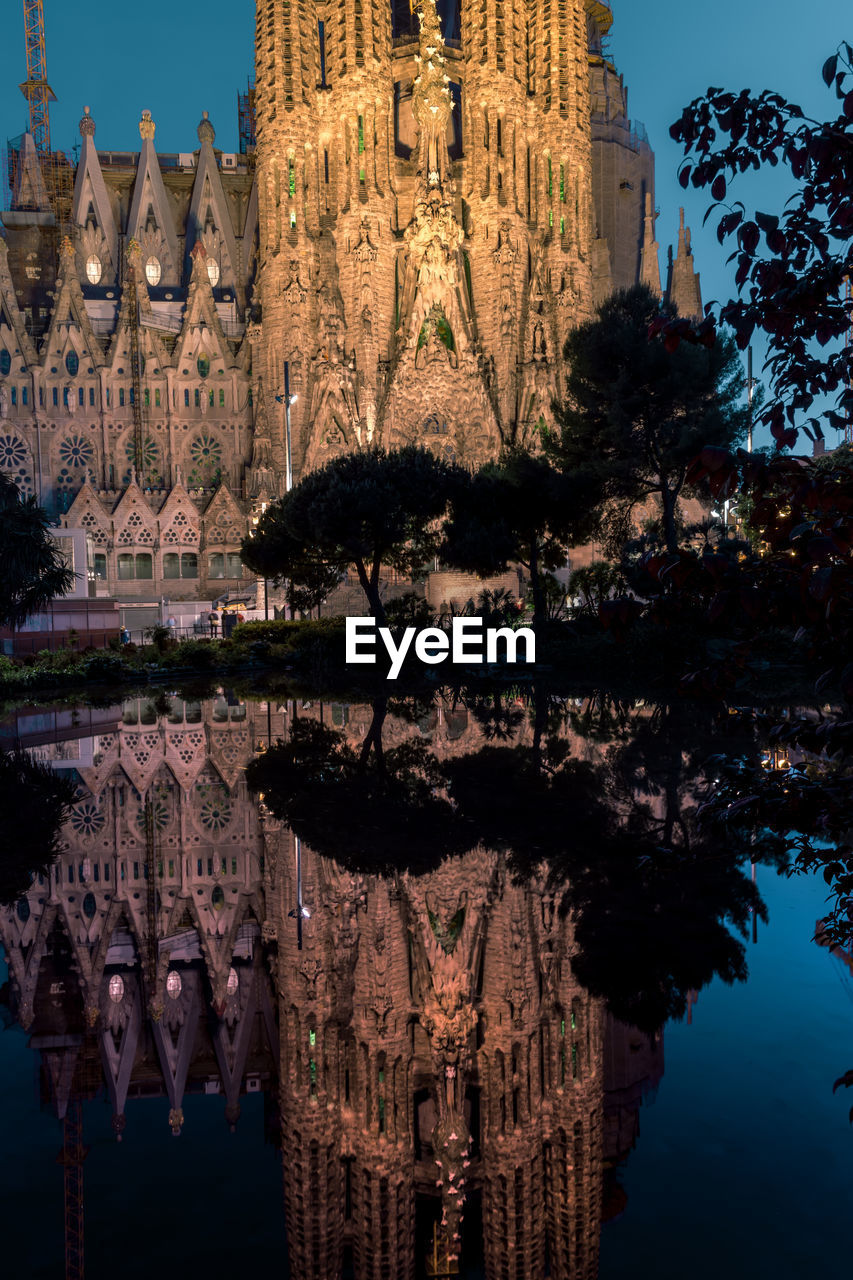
[203, 364]
[5, 362]
[189, 565]
[216, 567]
[72, 363]
[144, 565]
[171, 565]
[125, 567]
[234, 565]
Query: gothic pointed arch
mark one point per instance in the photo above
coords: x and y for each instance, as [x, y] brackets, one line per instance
[209, 219]
[150, 219]
[70, 327]
[13, 334]
[92, 214]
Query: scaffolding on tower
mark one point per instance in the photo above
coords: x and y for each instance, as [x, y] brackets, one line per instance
[57, 170]
[246, 119]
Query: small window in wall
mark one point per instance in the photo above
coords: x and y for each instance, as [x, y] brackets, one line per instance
[125, 567]
[222, 397]
[144, 565]
[197, 398]
[5, 362]
[80, 397]
[203, 364]
[210, 397]
[189, 565]
[121, 397]
[14, 396]
[100, 563]
[171, 565]
[216, 567]
[55, 397]
[24, 395]
[147, 399]
[292, 218]
[234, 565]
[186, 398]
[156, 397]
[91, 397]
[321, 31]
[72, 363]
[65, 396]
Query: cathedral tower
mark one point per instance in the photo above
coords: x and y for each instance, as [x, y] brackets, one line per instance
[425, 220]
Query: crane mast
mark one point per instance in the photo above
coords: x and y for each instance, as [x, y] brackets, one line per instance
[35, 88]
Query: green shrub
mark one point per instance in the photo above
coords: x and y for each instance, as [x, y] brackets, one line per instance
[198, 654]
[289, 632]
[102, 665]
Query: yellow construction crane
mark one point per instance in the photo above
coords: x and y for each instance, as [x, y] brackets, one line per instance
[35, 88]
[55, 167]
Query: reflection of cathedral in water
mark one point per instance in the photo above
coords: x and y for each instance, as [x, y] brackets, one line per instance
[445, 1087]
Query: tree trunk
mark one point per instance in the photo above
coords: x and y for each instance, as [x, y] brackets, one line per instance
[668, 501]
[373, 737]
[370, 587]
[539, 614]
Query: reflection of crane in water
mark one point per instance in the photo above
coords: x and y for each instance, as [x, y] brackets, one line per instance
[71, 1158]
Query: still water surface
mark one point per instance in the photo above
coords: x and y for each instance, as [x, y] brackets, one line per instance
[252, 1092]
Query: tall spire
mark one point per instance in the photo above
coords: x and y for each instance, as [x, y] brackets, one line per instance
[431, 101]
[683, 288]
[30, 190]
[649, 263]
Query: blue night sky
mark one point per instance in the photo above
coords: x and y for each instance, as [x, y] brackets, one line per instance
[182, 59]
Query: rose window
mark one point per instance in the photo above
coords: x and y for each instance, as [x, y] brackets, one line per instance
[215, 811]
[206, 455]
[205, 450]
[87, 819]
[13, 452]
[75, 451]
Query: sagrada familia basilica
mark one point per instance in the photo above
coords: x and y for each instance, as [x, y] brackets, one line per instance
[434, 1073]
[432, 195]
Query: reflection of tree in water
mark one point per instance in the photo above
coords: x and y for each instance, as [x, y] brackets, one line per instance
[615, 836]
[29, 831]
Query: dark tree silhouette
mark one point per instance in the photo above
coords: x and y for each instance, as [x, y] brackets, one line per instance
[791, 264]
[33, 571]
[635, 414]
[366, 509]
[521, 510]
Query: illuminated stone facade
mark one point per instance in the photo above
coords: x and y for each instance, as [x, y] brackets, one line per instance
[437, 196]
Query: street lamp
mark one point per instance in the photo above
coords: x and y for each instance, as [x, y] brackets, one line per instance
[288, 479]
[300, 912]
[255, 521]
